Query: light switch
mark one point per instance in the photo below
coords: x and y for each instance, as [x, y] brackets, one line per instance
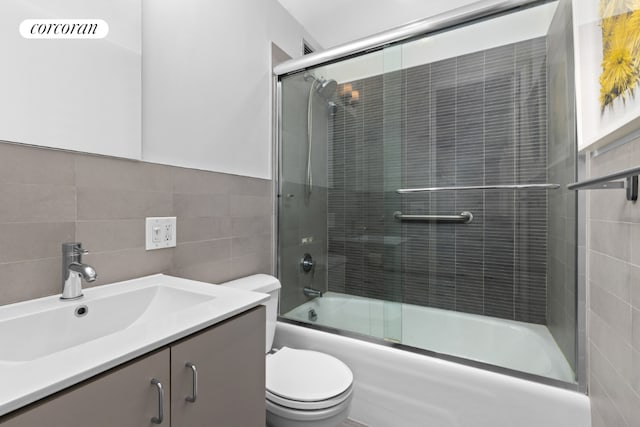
[160, 232]
[156, 234]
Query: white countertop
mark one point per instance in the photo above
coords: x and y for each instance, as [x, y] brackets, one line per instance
[23, 382]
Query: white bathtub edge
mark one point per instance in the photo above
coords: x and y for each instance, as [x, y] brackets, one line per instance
[403, 389]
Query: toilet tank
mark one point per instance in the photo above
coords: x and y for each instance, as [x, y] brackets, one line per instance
[267, 285]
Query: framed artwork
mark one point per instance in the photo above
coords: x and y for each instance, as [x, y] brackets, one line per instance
[608, 69]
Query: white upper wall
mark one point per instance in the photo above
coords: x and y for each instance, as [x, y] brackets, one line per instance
[206, 73]
[334, 22]
[81, 95]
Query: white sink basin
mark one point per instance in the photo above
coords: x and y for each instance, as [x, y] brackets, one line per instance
[59, 327]
[48, 344]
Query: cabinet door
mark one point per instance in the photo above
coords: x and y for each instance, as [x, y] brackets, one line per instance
[123, 397]
[230, 363]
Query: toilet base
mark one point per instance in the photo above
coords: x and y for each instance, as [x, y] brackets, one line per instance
[278, 416]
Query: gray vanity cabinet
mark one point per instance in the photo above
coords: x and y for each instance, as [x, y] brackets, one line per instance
[229, 359]
[122, 397]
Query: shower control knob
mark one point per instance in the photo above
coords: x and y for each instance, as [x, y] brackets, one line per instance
[306, 263]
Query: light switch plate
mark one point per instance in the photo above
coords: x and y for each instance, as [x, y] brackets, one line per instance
[160, 232]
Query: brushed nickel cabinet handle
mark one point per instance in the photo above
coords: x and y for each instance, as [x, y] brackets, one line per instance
[160, 417]
[194, 390]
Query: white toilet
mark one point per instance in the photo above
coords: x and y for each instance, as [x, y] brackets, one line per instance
[304, 387]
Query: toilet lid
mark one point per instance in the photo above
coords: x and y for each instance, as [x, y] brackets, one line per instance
[305, 375]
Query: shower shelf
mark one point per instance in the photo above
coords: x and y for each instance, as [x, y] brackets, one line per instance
[612, 182]
[481, 187]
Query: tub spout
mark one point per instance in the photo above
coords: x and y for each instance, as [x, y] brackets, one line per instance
[312, 293]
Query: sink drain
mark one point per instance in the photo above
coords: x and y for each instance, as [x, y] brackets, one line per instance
[82, 310]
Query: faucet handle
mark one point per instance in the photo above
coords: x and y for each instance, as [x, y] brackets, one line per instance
[73, 248]
[80, 251]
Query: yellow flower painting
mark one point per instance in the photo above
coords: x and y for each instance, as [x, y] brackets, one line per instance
[620, 22]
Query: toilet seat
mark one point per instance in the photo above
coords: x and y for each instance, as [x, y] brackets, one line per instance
[306, 379]
[309, 406]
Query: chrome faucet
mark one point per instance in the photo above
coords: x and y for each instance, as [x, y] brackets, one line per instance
[74, 271]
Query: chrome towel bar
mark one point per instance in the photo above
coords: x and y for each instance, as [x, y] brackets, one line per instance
[481, 187]
[464, 218]
[610, 182]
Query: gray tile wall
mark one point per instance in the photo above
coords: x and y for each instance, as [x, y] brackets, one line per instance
[614, 296]
[472, 120]
[561, 233]
[303, 215]
[48, 197]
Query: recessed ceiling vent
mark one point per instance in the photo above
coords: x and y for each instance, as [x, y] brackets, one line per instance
[306, 49]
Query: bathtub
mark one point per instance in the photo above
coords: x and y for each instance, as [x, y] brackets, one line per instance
[396, 388]
[515, 345]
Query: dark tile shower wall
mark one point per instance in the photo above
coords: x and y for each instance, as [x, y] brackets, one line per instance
[478, 119]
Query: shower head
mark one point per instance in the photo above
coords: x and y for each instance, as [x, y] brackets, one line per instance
[326, 88]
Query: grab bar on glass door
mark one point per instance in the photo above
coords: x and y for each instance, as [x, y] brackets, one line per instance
[464, 218]
[481, 187]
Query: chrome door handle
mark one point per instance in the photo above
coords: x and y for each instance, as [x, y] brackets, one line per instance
[194, 389]
[160, 417]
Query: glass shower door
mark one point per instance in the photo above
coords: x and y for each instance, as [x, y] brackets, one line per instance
[479, 250]
[392, 136]
[340, 167]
